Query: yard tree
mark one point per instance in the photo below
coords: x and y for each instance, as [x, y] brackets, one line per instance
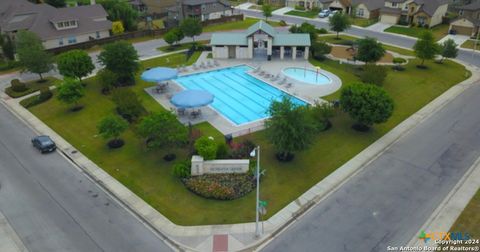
[267, 11]
[162, 129]
[367, 104]
[290, 128]
[128, 104]
[305, 28]
[112, 127]
[117, 27]
[121, 10]
[425, 48]
[179, 33]
[191, 27]
[170, 37]
[339, 22]
[369, 50]
[56, 3]
[70, 92]
[206, 147]
[75, 64]
[448, 49]
[8, 47]
[32, 54]
[122, 59]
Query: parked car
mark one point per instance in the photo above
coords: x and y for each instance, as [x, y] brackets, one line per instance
[324, 13]
[333, 13]
[44, 144]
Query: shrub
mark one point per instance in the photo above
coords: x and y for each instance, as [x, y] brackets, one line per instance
[320, 49]
[45, 94]
[283, 23]
[222, 151]
[182, 169]
[373, 74]
[128, 104]
[220, 186]
[322, 112]
[206, 147]
[398, 61]
[322, 31]
[260, 2]
[300, 8]
[18, 86]
[108, 80]
[242, 150]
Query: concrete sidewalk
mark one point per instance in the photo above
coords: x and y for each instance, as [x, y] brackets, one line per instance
[9, 240]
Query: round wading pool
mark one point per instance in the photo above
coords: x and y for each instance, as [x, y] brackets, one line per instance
[306, 75]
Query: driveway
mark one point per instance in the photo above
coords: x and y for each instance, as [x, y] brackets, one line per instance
[282, 11]
[378, 27]
[459, 39]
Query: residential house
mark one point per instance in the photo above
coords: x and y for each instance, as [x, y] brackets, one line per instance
[362, 8]
[158, 7]
[341, 5]
[200, 9]
[56, 27]
[414, 12]
[369, 9]
[469, 21]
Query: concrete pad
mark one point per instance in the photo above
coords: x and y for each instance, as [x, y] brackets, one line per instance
[459, 39]
[378, 27]
[282, 11]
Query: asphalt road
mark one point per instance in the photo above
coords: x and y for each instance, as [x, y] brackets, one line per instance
[53, 206]
[390, 199]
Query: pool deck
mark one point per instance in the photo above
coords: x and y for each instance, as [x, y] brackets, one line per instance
[310, 93]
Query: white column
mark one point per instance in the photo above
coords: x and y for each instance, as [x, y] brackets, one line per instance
[294, 52]
[269, 46]
[282, 52]
[305, 55]
[250, 48]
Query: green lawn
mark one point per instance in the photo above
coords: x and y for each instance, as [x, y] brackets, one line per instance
[363, 22]
[181, 46]
[147, 175]
[32, 87]
[469, 220]
[237, 25]
[470, 44]
[307, 14]
[345, 39]
[438, 31]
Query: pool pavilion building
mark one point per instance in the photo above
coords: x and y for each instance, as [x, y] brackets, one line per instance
[259, 41]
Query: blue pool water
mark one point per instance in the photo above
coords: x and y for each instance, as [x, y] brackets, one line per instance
[306, 75]
[238, 96]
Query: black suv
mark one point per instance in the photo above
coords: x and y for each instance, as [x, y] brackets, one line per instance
[44, 144]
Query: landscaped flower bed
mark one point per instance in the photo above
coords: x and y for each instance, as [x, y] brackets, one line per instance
[221, 186]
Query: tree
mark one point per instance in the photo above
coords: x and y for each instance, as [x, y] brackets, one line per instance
[191, 27]
[206, 147]
[290, 128]
[117, 27]
[320, 49]
[123, 11]
[112, 127]
[449, 49]
[179, 34]
[267, 11]
[8, 47]
[121, 58]
[425, 48]
[56, 3]
[322, 112]
[108, 79]
[75, 64]
[305, 28]
[162, 129]
[170, 37]
[369, 50]
[128, 104]
[70, 92]
[367, 104]
[339, 22]
[32, 54]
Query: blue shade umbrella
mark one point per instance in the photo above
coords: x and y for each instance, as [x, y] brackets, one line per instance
[192, 99]
[157, 74]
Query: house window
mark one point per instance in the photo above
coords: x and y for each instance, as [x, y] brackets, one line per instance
[360, 12]
[60, 41]
[60, 24]
[421, 20]
[72, 23]
[460, 12]
[72, 40]
[394, 4]
[97, 35]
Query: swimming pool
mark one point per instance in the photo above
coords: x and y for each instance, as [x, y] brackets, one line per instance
[307, 75]
[238, 96]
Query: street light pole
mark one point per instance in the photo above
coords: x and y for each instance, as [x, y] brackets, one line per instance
[257, 205]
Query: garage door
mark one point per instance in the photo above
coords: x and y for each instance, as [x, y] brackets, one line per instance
[388, 19]
[463, 30]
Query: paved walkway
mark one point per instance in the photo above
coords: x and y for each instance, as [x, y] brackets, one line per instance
[378, 27]
[282, 11]
[9, 240]
[459, 39]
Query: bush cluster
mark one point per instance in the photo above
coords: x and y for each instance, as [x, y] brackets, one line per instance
[241, 150]
[182, 169]
[220, 186]
[206, 147]
[128, 104]
[18, 86]
[373, 74]
[45, 95]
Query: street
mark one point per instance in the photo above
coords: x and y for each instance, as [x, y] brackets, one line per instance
[53, 206]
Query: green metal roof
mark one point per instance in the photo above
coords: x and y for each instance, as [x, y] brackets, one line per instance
[291, 39]
[279, 39]
[262, 26]
[228, 39]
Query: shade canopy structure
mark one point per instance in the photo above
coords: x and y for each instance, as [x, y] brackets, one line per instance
[192, 99]
[158, 74]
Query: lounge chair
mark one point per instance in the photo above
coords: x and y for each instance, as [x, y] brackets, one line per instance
[256, 70]
[275, 78]
[282, 81]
